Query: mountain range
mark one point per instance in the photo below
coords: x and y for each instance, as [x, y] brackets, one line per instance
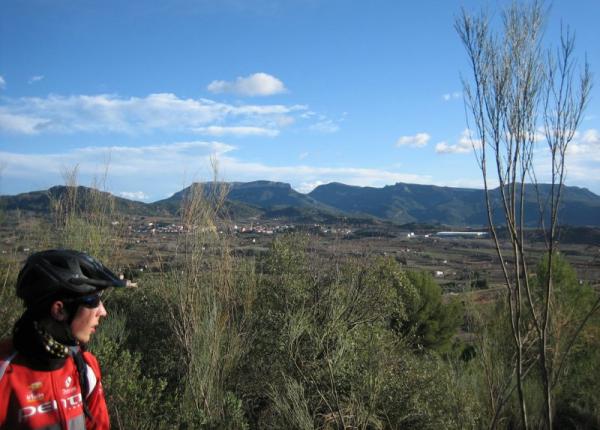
[400, 203]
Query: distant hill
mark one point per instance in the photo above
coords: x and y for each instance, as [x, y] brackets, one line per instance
[263, 194]
[43, 201]
[259, 199]
[400, 203]
[273, 195]
[407, 203]
[234, 209]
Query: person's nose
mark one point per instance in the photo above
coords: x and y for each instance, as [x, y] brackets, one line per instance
[102, 310]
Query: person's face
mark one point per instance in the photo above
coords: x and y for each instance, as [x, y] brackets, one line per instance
[86, 320]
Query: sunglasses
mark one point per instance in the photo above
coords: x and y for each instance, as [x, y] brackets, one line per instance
[90, 301]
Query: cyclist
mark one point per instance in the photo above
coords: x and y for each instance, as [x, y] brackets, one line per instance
[47, 378]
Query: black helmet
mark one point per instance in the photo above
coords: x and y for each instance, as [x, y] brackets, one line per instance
[60, 273]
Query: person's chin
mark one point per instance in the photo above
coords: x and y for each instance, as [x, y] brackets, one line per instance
[85, 338]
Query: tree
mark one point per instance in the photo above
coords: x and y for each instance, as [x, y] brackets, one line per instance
[518, 88]
[429, 323]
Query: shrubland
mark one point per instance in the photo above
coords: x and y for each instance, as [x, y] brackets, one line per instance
[290, 339]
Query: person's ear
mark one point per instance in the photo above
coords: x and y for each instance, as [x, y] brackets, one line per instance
[58, 311]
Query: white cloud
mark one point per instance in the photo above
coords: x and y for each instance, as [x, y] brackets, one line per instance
[539, 136]
[35, 79]
[467, 142]
[2, 83]
[582, 161]
[237, 131]
[459, 148]
[134, 195]
[156, 170]
[325, 126]
[419, 140]
[284, 120]
[302, 174]
[591, 137]
[263, 109]
[303, 155]
[443, 148]
[308, 114]
[307, 187]
[258, 84]
[464, 145]
[140, 115]
[20, 124]
[149, 161]
[452, 96]
[585, 147]
[469, 183]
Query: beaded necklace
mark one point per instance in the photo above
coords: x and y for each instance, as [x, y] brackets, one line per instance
[51, 345]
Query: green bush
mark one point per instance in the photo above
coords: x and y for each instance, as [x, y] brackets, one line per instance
[130, 393]
[11, 307]
[325, 352]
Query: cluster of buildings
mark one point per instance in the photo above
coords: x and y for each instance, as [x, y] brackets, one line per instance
[154, 228]
[171, 228]
[316, 228]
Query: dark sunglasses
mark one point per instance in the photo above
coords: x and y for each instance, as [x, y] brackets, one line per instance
[90, 301]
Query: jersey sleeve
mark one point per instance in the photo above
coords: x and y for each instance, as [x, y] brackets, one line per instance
[6, 348]
[4, 396]
[95, 400]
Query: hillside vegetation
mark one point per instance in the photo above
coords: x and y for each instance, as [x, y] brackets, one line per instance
[292, 340]
[399, 203]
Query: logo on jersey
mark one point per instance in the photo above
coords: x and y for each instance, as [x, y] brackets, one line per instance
[72, 402]
[34, 395]
[70, 388]
[36, 386]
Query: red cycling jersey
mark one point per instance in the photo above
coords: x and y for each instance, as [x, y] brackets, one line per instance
[48, 399]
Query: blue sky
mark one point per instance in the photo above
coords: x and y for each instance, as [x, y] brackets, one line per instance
[142, 96]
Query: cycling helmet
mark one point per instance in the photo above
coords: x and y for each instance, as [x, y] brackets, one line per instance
[62, 273]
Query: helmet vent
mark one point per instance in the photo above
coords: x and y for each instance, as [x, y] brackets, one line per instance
[86, 272]
[59, 262]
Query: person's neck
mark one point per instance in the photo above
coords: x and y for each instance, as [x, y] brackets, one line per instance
[43, 341]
